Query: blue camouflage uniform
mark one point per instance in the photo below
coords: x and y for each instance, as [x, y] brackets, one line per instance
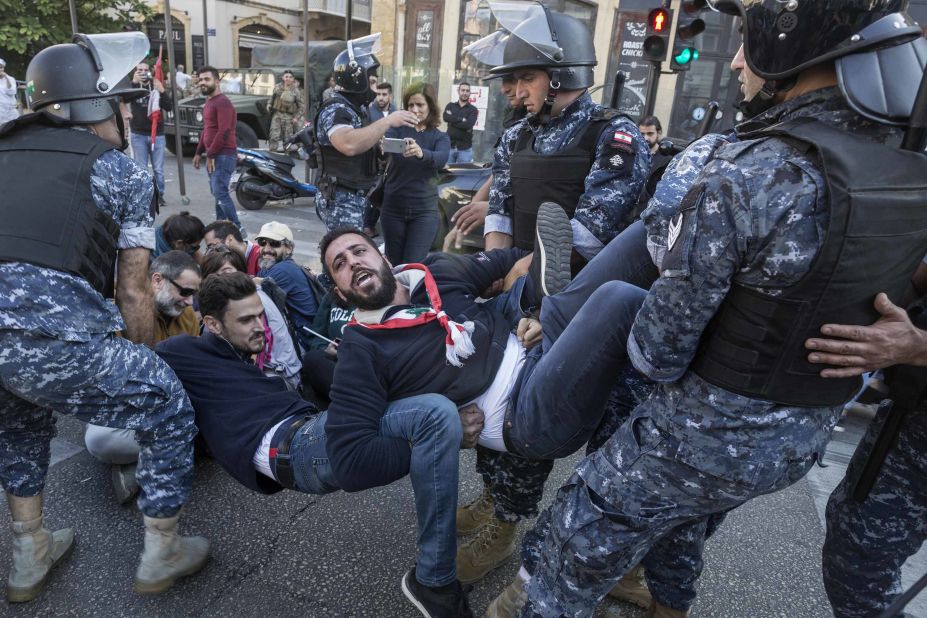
[341, 207]
[517, 483]
[611, 195]
[673, 565]
[867, 542]
[59, 351]
[694, 449]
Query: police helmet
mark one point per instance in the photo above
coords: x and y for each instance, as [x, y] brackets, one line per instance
[81, 82]
[782, 38]
[543, 39]
[354, 66]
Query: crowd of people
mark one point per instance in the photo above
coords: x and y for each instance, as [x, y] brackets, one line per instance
[699, 343]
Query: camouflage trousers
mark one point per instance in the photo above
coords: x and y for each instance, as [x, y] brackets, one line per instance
[281, 129]
[867, 543]
[100, 379]
[340, 207]
[589, 541]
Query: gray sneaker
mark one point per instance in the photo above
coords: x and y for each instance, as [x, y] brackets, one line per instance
[553, 247]
[124, 484]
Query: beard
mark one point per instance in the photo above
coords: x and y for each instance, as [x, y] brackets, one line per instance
[208, 90]
[266, 261]
[380, 297]
[166, 304]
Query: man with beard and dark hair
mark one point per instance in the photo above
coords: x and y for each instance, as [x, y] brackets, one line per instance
[276, 243]
[347, 139]
[218, 142]
[269, 439]
[175, 278]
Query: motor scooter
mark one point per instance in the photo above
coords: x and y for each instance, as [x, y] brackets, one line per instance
[262, 175]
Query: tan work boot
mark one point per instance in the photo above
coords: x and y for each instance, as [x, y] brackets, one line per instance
[661, 611]
[489, 549]
[167, 556]
[474, 516]
[36, 551]
[632, 588]
[509, 603]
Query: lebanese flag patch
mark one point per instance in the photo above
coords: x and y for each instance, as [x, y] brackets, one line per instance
[623, 138]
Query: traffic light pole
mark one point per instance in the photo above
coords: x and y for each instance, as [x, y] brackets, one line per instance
[652, 86]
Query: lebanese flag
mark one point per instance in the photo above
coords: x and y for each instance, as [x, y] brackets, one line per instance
[154, 101]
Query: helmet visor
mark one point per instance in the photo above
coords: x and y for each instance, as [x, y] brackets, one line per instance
[528, 22]
[366, 46]
[119, 53]
[490, 49]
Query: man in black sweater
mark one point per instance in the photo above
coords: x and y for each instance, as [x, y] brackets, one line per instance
[268, 438]
[143, 150]
[460, 117]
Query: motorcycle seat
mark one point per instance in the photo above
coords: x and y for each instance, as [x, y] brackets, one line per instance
[280, 158]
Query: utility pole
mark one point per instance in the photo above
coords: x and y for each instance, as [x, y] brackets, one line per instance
[205, 37]
[169, 35]
[73, 10]
[348, 19]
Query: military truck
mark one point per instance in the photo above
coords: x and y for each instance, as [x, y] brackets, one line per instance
[250, 91]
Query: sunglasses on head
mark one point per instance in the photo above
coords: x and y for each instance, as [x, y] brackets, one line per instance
[263, 242]
[185, 292]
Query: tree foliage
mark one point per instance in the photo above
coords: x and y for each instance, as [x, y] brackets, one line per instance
[28, 26]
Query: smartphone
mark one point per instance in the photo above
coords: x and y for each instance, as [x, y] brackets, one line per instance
[394, 144]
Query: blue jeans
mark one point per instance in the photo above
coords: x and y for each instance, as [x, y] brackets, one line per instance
[143, 153]
[561, 393]
[463, 155]
[219, 187]
[408, 232]
[431, 426]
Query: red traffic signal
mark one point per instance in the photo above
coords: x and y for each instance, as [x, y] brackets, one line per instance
[658, 20]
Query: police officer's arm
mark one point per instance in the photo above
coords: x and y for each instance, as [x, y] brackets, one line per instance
[854, 350]
[351, 142]
[497, 228]
[474, 213]
[697, 274]
[612, 187]
[133, 295]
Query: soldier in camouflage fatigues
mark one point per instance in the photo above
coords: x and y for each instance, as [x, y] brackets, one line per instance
[288, 108]
[611, 190]
[694, 449]
[867, 542]
[60, 352]
[339, 206]
[58, 345]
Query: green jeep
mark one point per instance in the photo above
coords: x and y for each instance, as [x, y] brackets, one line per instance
[250, 91]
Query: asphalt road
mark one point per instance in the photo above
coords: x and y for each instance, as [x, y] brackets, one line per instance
[344, 554]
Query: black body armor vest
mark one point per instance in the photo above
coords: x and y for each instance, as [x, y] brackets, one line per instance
[559, 177]
[48, 216]
[357, 173]
[876, 237]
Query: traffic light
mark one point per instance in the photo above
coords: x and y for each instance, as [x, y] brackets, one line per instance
[684, 50]
[659, 21]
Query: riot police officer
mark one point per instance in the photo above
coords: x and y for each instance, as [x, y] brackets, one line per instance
[569, 150]
[75, 206]
[774, 239]
[347, 139]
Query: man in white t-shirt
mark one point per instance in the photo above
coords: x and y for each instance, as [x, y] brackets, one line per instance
[9, 104]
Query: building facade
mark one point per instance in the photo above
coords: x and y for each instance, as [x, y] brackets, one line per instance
[232, 28]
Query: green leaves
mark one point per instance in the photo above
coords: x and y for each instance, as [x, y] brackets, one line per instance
[28, 26]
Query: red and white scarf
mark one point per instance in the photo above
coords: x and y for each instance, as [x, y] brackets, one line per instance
[458, 341]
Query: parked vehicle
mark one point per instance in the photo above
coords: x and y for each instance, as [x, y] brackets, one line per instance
[262, 175]
[250, 91]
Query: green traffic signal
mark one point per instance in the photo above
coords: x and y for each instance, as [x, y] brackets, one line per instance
[686, 55]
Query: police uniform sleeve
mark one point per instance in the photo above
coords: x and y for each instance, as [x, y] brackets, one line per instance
[332, 118]
[678, 178]
[704, 250]
[612, 187]
[499, 216]
[124, 190]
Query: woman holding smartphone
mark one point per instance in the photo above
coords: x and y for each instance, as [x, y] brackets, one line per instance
[409, 215]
